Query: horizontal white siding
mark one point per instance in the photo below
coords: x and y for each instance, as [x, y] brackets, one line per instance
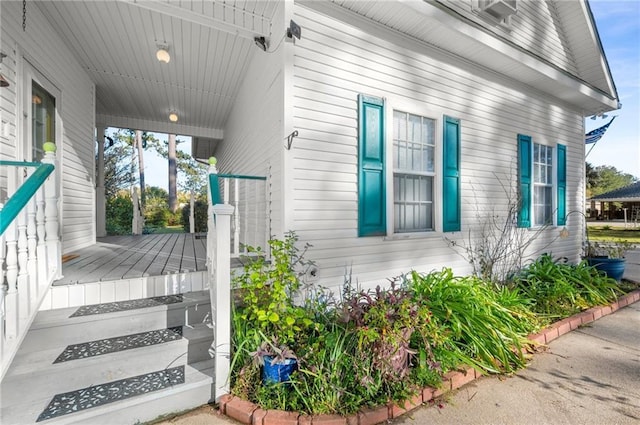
[536, 27]
[253, 141]
[333, 64]
[50, 56]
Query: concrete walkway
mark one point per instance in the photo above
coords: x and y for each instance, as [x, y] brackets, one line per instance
[589, 376]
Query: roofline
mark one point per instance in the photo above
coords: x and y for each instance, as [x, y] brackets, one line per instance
[592, 21]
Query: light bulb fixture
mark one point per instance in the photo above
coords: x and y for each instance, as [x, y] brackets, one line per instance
[173, 117]
[163, 53]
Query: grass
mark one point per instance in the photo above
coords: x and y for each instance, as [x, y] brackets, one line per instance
[613, 234]
[169, 229]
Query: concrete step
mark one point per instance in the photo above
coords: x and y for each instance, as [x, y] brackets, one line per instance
[118, 362]
[75, 325]
[47, 372]
[135, 399]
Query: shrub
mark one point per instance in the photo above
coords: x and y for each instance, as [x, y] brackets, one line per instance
[559, 289]
[201, 211]
[476, 328]
[119, 214]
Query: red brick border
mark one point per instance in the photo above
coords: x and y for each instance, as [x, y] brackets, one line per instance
[250, 414]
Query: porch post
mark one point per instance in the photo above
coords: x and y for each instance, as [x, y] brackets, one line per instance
[220, 291]
[52, 238]
[101, 223]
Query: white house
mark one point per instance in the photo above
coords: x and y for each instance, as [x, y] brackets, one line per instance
[382, 127]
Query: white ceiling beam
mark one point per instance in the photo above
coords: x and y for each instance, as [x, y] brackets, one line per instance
[175, 11]
[158, 126]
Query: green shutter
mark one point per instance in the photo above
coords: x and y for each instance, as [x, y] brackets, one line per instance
[371, 175]
[524, 168]
[562, 185]
[451, 175]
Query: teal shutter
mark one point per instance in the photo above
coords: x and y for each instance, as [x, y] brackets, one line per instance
[524, 168]
[562, 185]
[371, 176]
[451, 175]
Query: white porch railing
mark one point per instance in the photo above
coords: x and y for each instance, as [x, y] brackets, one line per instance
[241, 211]
[30, 250]
[249, 222]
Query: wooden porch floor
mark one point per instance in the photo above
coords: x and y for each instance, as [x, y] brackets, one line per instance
[128, 257]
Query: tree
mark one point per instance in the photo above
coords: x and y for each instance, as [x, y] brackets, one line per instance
[117, 174]
[605, 178]
[173, 173]
[141, 145]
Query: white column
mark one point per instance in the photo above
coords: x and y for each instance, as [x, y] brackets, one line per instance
[54, 247]
[192, 212]
[220, 291]
[101, 221]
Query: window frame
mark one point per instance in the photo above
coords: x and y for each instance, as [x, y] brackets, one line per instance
[411, 173]
[552, 186]
[526, 180]
[423, 110]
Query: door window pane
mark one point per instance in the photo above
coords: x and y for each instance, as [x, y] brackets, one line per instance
[43, 120]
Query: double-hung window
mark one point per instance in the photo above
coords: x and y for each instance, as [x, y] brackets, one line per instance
[418, 195]
[542, 183]
[413, 172]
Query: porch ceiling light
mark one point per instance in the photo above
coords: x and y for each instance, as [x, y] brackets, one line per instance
[163, 53]
[173, 117]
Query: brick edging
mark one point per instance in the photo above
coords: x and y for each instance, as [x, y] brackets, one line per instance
[250, 414]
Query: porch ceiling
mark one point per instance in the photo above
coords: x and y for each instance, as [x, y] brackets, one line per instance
[210, 43]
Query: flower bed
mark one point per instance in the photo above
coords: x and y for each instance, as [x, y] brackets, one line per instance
[250, 413]
[389, 349]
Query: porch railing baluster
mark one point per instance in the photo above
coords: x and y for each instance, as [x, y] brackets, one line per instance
[30, 249]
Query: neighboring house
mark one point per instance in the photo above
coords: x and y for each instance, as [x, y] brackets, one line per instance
[628, 197]
[386, 127]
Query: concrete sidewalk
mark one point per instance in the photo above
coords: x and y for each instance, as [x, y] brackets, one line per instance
[589, 376]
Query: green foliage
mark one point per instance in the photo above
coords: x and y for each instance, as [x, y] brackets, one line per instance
[156, 213]
[119, 214]
[474, 326]
[385, 322]
[559, 289]
[605, 178]
[117, 166]
[201, 211]
[378, 346]
[268, 289]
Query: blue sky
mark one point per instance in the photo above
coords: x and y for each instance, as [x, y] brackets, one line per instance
[618, 23]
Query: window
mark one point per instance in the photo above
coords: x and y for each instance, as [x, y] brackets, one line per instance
[413, 172]
[43, 122]
[539, 190]
[542, 185]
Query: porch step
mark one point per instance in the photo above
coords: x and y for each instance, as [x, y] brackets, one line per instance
[141, 398]
[112, 363]
[76, 325]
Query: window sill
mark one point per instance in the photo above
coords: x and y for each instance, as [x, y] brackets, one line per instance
[410, 236]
